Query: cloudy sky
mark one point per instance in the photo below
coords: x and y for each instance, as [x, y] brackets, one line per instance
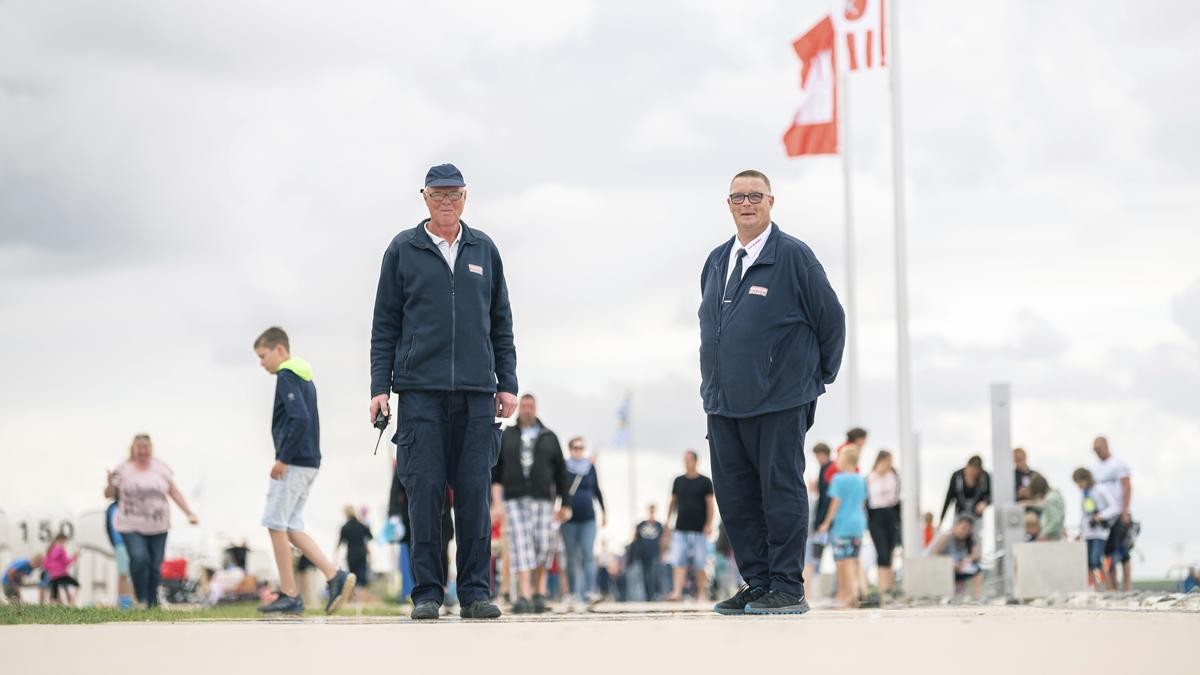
[175, 178]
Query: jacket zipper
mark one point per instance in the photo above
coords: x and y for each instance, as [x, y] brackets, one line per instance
[717, 349]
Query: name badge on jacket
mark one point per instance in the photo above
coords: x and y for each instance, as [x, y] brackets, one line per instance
[758, 290]
[477, 269]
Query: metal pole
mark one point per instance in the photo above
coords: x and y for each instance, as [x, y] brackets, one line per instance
[910, 498]
[852, 396]
[633, 511]
[1009, 517]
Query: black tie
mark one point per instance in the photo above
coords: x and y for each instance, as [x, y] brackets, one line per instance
[734, 279]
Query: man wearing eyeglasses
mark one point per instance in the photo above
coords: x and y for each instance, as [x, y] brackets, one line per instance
[442, 339]
[771, 338]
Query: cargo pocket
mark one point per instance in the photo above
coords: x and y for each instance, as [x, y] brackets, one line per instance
[404, 439]
[495, 456]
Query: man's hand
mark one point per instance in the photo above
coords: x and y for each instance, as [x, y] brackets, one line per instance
[979, 507]
[379, 403]
[1125, 519]
[823, 528]
[564, 514]
[193, 519]
[506, 405]
[278, 469]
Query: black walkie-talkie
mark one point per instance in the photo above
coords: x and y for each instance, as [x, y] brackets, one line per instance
[381, 423]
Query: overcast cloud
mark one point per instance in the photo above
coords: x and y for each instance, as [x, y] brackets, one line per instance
[175, 178]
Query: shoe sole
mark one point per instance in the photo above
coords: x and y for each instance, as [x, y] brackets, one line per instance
[347, 589]
[728, 612]
[794, 609]
[415, 617]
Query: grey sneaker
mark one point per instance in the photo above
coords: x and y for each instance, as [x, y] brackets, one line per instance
[284, 604]
[426, 610]
[339, 589]
[480, 609]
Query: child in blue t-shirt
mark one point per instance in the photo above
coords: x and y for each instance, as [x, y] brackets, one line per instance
[845, 521]
[15, 574]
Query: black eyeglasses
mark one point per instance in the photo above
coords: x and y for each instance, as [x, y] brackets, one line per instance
[439, 196]
[576, 447]
[740, 197]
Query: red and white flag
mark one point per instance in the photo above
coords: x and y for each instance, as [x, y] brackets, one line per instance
[859, 28]
[814, 127]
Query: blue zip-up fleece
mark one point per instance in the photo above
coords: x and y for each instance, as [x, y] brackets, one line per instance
[440, 331]
[294, 423]
[779, 342]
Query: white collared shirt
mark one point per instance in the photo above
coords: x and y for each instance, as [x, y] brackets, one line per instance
[448, 250]
[752, 250]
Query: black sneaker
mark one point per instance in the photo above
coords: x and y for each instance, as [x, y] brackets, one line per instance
[284, 604]
[539, 604]
[480, 609]
[778, 602]
[426, 610]
[522, 606]
[339, 589]
[736, 606]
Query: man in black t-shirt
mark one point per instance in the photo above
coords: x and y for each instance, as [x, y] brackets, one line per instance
[692, 501]
[813, 560]
[647, 550]
[1022, 474]
[355, 536]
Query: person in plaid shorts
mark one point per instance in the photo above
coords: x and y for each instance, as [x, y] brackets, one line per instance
[529, 477]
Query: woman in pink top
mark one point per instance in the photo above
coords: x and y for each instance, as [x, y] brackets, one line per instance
[141, 486]
[58, 568]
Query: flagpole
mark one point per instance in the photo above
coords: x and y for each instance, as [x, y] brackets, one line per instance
[628, 437]
[852, 396]
[909, 467]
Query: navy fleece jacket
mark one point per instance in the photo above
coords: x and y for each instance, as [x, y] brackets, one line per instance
[779, 342]
[437, 329]
[294, 424]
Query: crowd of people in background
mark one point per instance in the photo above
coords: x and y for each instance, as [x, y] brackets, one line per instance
[548, 507]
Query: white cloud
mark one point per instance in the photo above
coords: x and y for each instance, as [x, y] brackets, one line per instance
[175, 179]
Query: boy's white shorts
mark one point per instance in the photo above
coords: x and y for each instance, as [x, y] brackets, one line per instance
[286, 498]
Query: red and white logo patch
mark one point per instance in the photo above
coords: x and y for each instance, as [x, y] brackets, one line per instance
[477, 269]
[758, 290]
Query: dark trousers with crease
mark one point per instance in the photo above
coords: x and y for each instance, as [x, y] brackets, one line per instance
[448, 439]
[758, 477]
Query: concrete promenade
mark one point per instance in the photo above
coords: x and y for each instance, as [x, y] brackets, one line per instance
[972, 640]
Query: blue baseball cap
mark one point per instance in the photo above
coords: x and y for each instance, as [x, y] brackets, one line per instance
[444, 175]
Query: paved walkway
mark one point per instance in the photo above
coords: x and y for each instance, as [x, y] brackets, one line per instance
[931, 640]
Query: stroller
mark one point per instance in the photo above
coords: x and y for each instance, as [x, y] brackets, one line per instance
[176, 587]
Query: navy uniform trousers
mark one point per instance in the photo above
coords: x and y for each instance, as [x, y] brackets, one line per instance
[758, 477]
[448, 439]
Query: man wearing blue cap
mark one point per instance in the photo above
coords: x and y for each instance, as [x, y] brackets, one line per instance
[771, 338]
[442, 339]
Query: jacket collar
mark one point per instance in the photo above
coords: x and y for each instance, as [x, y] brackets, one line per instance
[466, 236]
[766, 257]
[300, 367]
